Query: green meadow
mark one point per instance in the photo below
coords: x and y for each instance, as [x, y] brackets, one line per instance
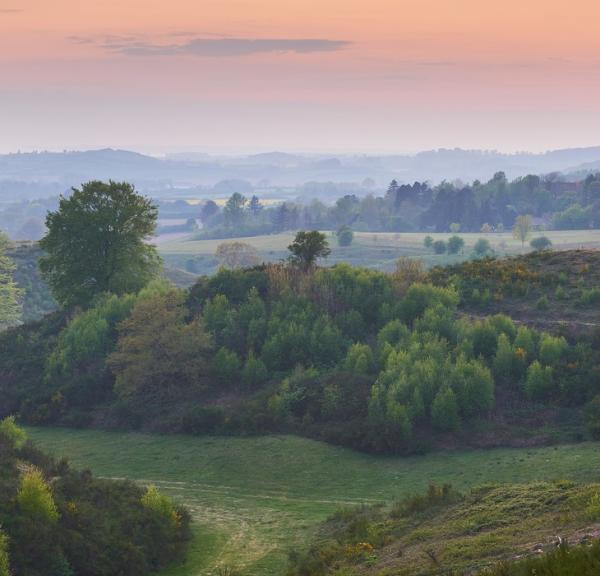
[378, 250]
[254, 499]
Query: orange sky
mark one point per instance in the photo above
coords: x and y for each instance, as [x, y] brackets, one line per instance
[288, 74]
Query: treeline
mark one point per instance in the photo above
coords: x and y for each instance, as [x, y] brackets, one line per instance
[493, 205]
[55, 521]
[373, 360]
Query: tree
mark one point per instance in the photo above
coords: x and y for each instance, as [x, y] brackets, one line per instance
[455, 244]
[35, 498]
[237, 255]
[10, 294]
[345, 236]
[234, 210]
[96, 242]
[208, 211]
[540, 382]
[486, 228]
[428, 242]
[439, 247]
[159, 355]
[522, 228]
[226, 365]
[307, 247]
[255, 207]
[541, 243]
[455, 227]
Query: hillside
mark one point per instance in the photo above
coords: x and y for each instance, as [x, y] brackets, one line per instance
[446, 532]
[377, 361]
[551, 290]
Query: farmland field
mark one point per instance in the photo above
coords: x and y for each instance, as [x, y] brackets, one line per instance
[371, 249]
[252, 499]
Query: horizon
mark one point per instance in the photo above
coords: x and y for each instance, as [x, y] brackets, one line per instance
[393, 77]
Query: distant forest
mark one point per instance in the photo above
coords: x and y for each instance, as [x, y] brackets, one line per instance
[493, 205]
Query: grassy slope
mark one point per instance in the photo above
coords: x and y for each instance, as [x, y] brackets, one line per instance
[257, 497]
[374, 250]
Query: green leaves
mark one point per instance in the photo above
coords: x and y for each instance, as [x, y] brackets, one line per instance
[96, 242]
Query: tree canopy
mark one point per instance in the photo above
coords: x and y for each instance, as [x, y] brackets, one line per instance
[96, 242]
[307, 247]
[10, 307]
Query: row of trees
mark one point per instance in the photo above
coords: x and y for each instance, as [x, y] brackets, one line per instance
[494, 205]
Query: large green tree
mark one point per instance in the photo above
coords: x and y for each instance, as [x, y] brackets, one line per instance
[10, 307]
[97, 242]
[307, 247]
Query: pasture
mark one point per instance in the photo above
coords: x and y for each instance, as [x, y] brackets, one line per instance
[254, 499]
[378, 250]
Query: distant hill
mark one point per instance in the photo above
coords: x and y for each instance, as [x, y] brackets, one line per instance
[60, 170]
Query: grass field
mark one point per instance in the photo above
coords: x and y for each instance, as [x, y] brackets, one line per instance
[253, 499]
[374, 250]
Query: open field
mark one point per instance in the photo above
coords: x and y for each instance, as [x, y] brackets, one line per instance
[253, 499]
[371, 249]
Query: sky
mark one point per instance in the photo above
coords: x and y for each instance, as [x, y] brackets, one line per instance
[355, 76]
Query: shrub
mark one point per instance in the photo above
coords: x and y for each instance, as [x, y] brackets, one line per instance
[159, 504]
[455, 244]
[345, 236]
[428, 242]
[440, 247]
[542, 303]
[15, 435]
[482, 248]
[589, 297]
[541, 243]
[34, 497]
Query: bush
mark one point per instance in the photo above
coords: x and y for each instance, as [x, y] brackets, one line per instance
[455, 244]
[15, 435]
[34, 497]
[541, 243]
[542, 303]
[439, 247]
[345, 236]
[482, 248]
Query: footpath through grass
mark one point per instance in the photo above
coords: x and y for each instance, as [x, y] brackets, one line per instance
[253, 499]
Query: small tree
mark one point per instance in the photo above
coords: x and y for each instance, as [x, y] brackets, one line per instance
[345, 236]
[541, 243]
[455, 244]
[522, 228]
[226, 365]
[455, 227]
[539, 383]
[34, 497]
[307, 247]
[486, 228]
[428, 242]
[439, 247]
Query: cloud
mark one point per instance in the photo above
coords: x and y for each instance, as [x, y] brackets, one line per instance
[219, 47]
